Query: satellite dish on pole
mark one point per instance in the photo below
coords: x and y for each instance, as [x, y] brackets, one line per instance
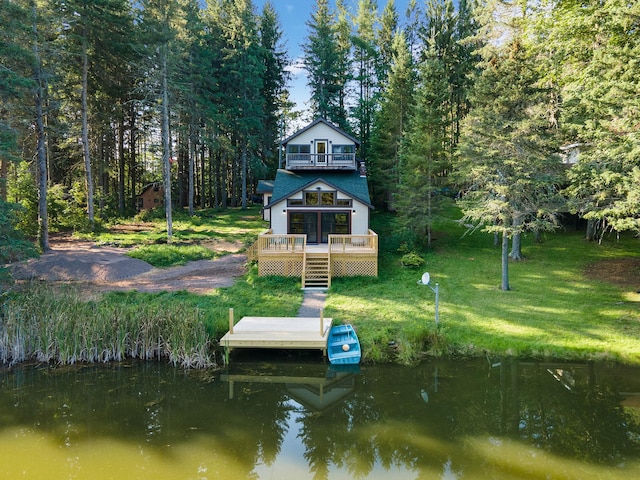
[425, 278]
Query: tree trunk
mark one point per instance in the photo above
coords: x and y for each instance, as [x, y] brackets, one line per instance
[192, 161]
[516, 241]
[121, 161]
[505, 261]
[203, 188]
[538, 236]
[516, 247]
[591, 231]
[133, 155]
[243, 175]
[3, 179]
[43, 222]
[85, 132]
[166, 154]
[223, 182]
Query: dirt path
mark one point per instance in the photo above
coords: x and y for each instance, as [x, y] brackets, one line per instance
[108, 268]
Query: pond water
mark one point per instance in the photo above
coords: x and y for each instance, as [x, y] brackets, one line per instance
[271, 418]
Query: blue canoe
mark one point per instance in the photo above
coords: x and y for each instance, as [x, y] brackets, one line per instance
[343, 347]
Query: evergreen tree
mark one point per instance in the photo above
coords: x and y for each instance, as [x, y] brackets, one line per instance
[391, 123]
[385, 38]
[162, 22]
[274, 84]
[15, 82]
[243, 76]
[94, 39]
[343, 68]
[366, 67]
[39, 118]
[595, 61]
[424, 152]
[507, 158]
[324, 64]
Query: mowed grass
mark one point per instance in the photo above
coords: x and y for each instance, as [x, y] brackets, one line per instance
[191, 236]
[552, 311]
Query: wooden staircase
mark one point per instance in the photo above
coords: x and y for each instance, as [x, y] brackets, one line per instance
[316, 271]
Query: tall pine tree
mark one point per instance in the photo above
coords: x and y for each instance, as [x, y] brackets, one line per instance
[324, 62]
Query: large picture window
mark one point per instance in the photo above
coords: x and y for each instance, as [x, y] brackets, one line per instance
[301, 148]
[343, 149]
[314, 198]
[319, 225]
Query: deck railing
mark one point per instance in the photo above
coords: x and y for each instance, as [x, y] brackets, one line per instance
[321, 160]
[348, 255]
[354, 243]
[270, 243]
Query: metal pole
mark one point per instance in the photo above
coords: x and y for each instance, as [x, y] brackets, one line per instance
[437, 316]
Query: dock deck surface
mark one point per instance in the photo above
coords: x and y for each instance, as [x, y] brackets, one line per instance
[278, 332]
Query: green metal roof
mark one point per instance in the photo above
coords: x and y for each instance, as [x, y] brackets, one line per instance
[265, 186]
[350, 183]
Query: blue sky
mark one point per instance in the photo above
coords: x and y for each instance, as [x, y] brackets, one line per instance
[293, 16]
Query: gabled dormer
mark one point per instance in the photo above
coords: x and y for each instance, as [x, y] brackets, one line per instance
[321, 146]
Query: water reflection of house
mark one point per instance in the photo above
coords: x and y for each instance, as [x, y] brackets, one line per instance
[152, 196]
[316, 391]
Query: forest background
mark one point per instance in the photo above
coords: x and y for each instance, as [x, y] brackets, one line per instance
[488, 102]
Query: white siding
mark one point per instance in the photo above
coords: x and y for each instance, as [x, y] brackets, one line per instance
[279, 218]
[320, 132]
[266, 212]
[360, 219]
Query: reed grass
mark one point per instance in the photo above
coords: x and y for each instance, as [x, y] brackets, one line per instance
[62, 327]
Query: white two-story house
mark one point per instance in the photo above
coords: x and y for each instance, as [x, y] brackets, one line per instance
[319, 210]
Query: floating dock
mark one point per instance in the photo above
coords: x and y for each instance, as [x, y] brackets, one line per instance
[278, 332]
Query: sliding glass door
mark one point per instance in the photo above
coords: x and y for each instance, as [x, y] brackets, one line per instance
[319, 225]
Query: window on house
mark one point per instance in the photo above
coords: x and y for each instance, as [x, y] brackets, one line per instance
[315, 198]
[343, 149]
[311, 198]
[328, 198]
[298, 148]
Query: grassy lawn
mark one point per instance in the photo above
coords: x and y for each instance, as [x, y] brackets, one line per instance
[553, 309]
[202, 236]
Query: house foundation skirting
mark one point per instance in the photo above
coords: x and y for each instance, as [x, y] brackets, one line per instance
[292, 265]
[354, 265]
[286, 265]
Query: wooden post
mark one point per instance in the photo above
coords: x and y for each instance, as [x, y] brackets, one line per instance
[322, 322]
[231, 320]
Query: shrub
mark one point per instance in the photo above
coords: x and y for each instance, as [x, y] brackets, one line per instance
[13, 246]
[412, 259]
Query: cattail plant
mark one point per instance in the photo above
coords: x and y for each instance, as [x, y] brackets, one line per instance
[62, 327]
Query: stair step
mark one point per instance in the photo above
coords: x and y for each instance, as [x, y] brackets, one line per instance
[316, 271]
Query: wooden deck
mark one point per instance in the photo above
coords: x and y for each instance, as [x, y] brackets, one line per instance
[278, 332]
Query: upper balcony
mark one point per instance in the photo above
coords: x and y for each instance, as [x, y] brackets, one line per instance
[321, 161]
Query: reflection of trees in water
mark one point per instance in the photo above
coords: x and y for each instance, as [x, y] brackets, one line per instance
[150, 404]
[388, 420]
[419, 419]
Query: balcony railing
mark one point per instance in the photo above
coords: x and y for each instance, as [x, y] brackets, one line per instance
[339, 161]
[354, 243]
[269, 243]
